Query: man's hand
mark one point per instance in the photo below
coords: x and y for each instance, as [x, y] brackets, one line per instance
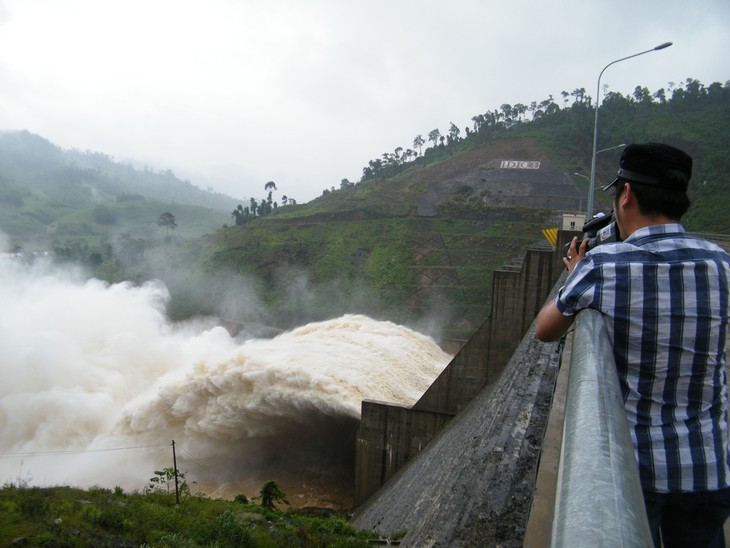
[575, 253]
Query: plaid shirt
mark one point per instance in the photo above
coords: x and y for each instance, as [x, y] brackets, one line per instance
[664, 295]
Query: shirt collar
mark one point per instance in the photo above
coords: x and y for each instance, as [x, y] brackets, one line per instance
[656, 230]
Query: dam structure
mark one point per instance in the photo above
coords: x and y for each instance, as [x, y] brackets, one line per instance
[458, 467]
[517, 442]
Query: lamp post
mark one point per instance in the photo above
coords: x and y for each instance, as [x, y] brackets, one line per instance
[610, 148]
[580, 204]
[596, 154]
[591, 190]
[589, 211]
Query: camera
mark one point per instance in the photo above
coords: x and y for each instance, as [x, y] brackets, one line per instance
[601, 229]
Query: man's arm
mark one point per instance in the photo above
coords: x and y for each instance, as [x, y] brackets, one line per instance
[551, 324]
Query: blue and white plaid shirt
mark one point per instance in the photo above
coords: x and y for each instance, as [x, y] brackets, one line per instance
[664, 295]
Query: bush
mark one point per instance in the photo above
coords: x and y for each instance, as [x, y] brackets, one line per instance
[34, 504]
[230, 531]
[109, 516]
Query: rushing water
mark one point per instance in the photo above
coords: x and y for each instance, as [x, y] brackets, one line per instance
[96, 383]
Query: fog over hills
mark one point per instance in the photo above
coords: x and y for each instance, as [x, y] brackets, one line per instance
[31, 160]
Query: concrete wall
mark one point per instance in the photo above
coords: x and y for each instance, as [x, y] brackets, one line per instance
[390, 435]
[472, 485]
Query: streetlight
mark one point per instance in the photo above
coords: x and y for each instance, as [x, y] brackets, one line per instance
[590, 191]
[610, 148]
[589, 212]
[580, 204]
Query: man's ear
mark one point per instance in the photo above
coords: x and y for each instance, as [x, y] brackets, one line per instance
[627, 196]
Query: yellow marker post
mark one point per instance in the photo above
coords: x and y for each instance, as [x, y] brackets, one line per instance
[551, 235]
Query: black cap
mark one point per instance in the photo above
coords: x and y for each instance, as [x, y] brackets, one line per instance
[655, 164]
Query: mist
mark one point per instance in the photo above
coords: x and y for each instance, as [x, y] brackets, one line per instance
[97, 383]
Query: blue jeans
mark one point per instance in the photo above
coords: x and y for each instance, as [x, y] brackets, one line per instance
[688, 519]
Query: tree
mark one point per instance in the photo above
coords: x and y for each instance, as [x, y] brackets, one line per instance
[519, 111]
[434, 136]
[270, 493]
[418, 142]
[270, 186]
[454, 132]
[694, 88]
[240, 214]
[507, 114]
[642, 94]
[565, 95]
[167, 220]
[551, 107]
[579, 94]
[163, 480]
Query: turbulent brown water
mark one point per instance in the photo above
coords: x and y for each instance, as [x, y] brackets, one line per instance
[96, 384]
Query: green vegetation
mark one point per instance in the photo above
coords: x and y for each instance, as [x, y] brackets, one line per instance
[304, 272]
[419, 236]
[369, 247]
[271, 494]
[71, 200]
[689, 115]
[64, 516]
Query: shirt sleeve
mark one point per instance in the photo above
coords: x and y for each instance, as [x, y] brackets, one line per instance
[579, 290]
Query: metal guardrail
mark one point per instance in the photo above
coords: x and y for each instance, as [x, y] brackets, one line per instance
[598, 501]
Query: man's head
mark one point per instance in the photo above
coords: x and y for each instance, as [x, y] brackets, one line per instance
[658, 175]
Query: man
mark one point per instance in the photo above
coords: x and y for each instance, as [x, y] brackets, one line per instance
[664, 296]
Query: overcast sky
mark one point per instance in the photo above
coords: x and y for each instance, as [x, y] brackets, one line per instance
[234, 93]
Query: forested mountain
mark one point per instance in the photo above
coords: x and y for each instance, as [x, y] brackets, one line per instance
[33, 161]
[415, 240]
[54, 199]
[689, 115]
[421, 233]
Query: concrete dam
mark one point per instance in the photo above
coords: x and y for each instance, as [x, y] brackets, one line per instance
[477, 460]
[458, 467]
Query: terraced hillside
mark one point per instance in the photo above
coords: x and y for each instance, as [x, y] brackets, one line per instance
[419, 246]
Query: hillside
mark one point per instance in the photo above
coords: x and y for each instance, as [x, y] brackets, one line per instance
[418, 248]
[415, 240]
[69, 200]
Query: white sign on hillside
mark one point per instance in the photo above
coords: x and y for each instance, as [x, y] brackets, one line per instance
[519, 164]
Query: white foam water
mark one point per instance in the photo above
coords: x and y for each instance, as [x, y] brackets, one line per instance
[96, 383]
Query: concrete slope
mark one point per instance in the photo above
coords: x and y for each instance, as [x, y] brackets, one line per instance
[472, 485]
